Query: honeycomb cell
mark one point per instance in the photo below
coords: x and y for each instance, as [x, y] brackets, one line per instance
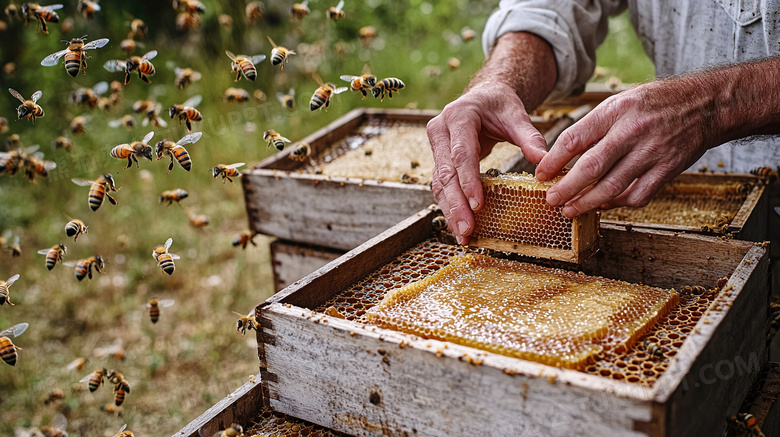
[270, 423]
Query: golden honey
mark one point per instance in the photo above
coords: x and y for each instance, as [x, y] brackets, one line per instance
[272, 424]
[551, 316]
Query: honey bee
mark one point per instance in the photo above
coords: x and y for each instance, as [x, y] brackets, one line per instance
[74, 228]
[227, 171]
[98, 190]
[140, 64]
[493, 173]
[273, 138]
[57, 428]
[121, 387]
[653, 350]
[767, 175]
[439, 223]
[138, 29]
[43, 14]
[389, 84]
[127, 121]
[34, 165]
[279, 54]
[3, 125]
[237, 95]
[259, 95]
[186, 21]
[4, 293]
[13, 141]
[189, 6]
[128, 45]
[123, 433]
[88, 97]
[235, 430]
[16, 250]
[361, 83]
[226, 21]
[367, 35]
[185, 77]
[177, 151]
[7, 348]
[692, 290]
[453, 63]
[115, 351]
[75, 55]
[88, 8]
[77, 364]
[321, 97]
[12, 11]
[171, 196]
[133, 150]
[744, 424]
[54, 254]
[336, 13]
[467, 34]
[77, 125]
[186, 111]
[197, 221]
[154, 306]
[110, 408]
[299, 10]
[15, 160]
[300, 151]
[243, 238]
[243, 64]
[254, 11]
[54, 395]
[287, 100]
[29, 108]
[151, 111]
[164, 258]
[83, 268]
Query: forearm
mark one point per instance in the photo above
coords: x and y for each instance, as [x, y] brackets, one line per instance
[522, 61]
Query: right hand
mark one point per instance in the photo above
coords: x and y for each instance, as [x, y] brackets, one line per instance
[466, 131]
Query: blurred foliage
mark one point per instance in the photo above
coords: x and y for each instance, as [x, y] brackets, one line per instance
[192, 357]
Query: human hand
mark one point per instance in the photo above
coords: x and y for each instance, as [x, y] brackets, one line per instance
[465, 131]
[631, 145]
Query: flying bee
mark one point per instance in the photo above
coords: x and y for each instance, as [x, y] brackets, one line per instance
[300, 151]
[273, 138]
[197, 221]
[83, 268]
[54, 254]
[189, 6]
[321, 97]
[171, 196]
[16, 250]
[57, 428]
[279, 54]
[186, 21]
[467, 34]
[151, 111]
[336, 13]
[243, 238]
[138, 29]
[3, 125]
[128, 45]
[154, 306]
[361, 83]
[132, 151]
[35, 165]
[4, 293]
[88, 8]
[164, 258]
[62, 143]
[185, 77]
[389, 85]
[74, 228]
[13, 11]
[95, 378]
[127, 121]
[186, 111]
[123, 433]
[110, 408]
[141, 64]
[54, 395]
[236, 95]
[78, 124]
[75, 55]
[88, 96]
[299, 10]
[120, 389]
[13, 141]
[245, 322]
[7, 348]
[77, 364]
[287, 100]
[43, 14]
[243, 64]
[254, 12]
[766, 174]
[227, 171]
[367, 35]
[115, 350]
[177, 151]
[98, 190]
[29, 108]
[259, 95]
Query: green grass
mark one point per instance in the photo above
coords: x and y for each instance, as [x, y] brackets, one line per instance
[190, 359]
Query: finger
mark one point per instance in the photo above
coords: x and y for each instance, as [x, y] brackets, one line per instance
[523, 133]
[642, 190]
[465, 150]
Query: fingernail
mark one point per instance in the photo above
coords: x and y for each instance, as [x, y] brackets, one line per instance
[474, 204]
[463, 227]
[541, 176]
[459, 239]
[553, 198]
[569, 211]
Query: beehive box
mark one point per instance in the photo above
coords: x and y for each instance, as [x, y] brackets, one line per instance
[289, 200]
[292, 261]
[363, 380]
[693, 202]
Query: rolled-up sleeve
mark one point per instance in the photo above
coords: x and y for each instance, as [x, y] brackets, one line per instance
[574, 29]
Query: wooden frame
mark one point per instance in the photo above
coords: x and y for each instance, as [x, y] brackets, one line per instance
[365, 380]
[292, 261]
[241, 406]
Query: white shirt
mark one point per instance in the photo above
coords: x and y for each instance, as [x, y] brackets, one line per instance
[677, 35]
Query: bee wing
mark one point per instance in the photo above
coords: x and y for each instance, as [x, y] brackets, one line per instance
[32, 149]
[339, 90]
[11, 280]
[305, 4]
[238, 314]
[168, 244]
[118, 122]
[67, 263]
[236, 165]
[196, 76]
[272, 42]
[16, 94]
[60, 422]
[193, 101]
[86, 378]
[165, 303]
[52, 59]
[258, 59]
[162, 122]
[96, 44]
[279, 96]
[348, 78]
[174, 256]
[148, 137]
[291, 92]
[189, 138]
[230, 55]
[49, 165]
[16, 239]
[318, 79]
[144, 123]
[50, 7]
[340, 5]
[44, 251]
[284, 139]
[73, 364]
[114, 65]
[122, 428]
[82, 182]
[149, 55]
[15, 331]
[100, 87]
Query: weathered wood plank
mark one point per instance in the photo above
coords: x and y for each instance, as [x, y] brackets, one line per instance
[293, 261]
[241, 407]
[763, 405]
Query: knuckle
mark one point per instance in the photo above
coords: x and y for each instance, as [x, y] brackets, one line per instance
[568, 142]
[591, 165]
[438, 189]
[446, 175]
[462, 153]
[611, 187]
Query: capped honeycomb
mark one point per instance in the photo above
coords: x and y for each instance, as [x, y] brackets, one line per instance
[272, 424]
[551, 316]
[386, 149]
[688, 204]
[635, 365]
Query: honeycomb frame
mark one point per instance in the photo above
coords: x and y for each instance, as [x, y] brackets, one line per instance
[517, 218]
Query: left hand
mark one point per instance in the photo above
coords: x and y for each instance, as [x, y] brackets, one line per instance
[631, 144]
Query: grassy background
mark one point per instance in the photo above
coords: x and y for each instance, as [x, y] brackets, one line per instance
[192, 357]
